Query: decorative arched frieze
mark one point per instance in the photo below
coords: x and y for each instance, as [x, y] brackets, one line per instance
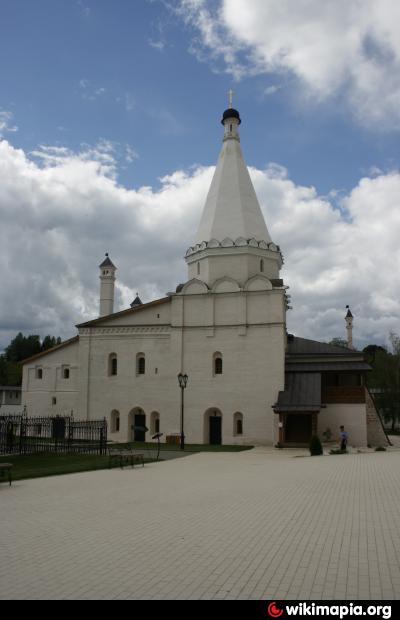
[228, 242]
[194, 287]
[258, 283]
[241, 241]
[226, 285]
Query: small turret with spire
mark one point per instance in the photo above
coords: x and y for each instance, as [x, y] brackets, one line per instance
[136, 302]
[107, 282]
[349, 328]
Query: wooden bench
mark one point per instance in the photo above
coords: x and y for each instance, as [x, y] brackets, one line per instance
[124, 457]
[6, 468]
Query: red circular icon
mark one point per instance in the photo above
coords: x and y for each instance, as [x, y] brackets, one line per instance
[274, 611]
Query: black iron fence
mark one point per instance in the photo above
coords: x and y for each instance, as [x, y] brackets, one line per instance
[59, 435]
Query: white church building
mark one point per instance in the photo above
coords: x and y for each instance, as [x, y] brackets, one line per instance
[249, 382]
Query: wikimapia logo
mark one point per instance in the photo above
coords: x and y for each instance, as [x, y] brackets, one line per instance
[341, 611]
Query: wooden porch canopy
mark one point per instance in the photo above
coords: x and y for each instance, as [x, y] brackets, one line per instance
[302, 393]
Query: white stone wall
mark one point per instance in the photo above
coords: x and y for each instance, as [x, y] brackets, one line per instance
[201, 324]
[352, 416]
[11, 409]
[38, 394]
[240, 263]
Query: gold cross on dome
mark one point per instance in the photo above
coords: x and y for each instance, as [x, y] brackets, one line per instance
[231, 93]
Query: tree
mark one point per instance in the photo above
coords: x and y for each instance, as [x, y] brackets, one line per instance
[339, 342]
[21, 347]
[3, 370]
[385, 378]
[49, 342]
[316, 446]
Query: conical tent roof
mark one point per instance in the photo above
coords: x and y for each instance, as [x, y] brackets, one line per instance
[232, 209]
[107, 262]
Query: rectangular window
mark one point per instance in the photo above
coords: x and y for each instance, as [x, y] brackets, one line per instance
[54, 400]
[39, 373]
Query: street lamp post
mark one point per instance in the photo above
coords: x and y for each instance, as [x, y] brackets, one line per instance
[182, 379]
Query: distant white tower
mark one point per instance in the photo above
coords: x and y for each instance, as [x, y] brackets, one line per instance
[349, 327]
[107, 281]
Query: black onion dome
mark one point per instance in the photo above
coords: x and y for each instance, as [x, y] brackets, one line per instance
[230, 113]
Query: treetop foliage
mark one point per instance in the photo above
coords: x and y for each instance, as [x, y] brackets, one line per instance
[21, 347]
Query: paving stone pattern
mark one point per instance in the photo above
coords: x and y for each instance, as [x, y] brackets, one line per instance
[257, 525]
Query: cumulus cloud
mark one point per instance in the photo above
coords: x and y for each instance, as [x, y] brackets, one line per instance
[61, 211]
[347, 48]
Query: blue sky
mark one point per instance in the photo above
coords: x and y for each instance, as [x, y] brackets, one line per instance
[119, 103]
[73, 72]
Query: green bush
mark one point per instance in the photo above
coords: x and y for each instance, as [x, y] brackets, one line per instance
[338, 451]
[380, 449]
[315, 446]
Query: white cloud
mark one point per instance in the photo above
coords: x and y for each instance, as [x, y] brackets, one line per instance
[61, 211]
[5, 118]
[345, 48]
[271, 90]
[89, 92]
[157, 45]
[130, 154]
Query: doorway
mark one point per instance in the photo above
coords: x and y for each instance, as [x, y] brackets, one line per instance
[215, 430]
[298, 428]
[138, 425]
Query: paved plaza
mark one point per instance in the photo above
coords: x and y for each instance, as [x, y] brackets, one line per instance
[261, 524]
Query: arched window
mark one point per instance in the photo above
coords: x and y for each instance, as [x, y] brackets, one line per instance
[217, 364]
[115, 421]
[262, 266]
[112, 365]
[140, 364]
[155, 423]
[238, 424]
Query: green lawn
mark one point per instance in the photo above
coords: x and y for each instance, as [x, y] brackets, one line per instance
[39, 465]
